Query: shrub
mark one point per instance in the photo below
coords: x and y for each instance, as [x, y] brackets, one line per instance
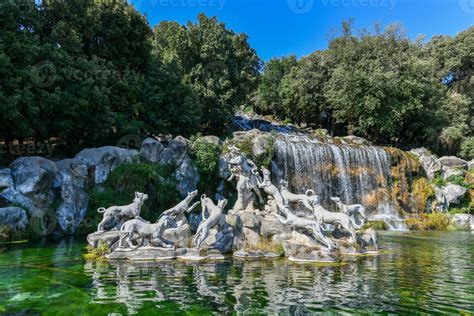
[97, 253]
[433, 221]
[459, 180]
[422, 191]
[206, 154]
[467, 148]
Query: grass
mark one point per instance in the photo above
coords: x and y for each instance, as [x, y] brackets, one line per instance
[98, 253]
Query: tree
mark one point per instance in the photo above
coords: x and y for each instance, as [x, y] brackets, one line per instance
[218, 64]
[268, 95]
[302, 90]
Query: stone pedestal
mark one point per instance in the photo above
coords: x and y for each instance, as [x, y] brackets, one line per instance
[144, 254]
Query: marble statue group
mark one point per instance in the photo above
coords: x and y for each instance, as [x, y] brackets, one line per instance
[265, 217]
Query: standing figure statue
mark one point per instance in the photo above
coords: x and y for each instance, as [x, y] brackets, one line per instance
[116, 215]
[247, 182]
[215, 218]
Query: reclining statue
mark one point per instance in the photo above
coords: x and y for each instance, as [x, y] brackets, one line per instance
[309, 225]
[342, 220]
[120, 214]
[215, 218]
[144, 234]
[351, 210]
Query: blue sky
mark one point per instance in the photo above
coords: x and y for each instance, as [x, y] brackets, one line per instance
[283, 27]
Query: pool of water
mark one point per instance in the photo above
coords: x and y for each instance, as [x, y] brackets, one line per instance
[415, 273]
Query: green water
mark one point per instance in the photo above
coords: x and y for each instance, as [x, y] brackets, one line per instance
[416, 273]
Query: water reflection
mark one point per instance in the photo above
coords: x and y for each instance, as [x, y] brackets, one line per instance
[422, 274]
[415, 273]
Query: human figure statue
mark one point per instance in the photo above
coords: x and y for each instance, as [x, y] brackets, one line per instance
[244, 170]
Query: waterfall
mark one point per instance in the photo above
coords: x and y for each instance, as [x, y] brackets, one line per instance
[387, 214]
[348, 172]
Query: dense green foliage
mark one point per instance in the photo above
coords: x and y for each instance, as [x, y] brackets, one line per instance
[206, 154]
[87, 72]
[380, 85]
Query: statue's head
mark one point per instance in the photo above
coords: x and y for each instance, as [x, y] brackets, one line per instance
[265, 171]
[284, 184]
[222, 203]
[193, 194]
[335, 199]
[140, 197]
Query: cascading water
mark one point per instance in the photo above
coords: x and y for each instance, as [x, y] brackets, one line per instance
[345, 171]
[387, 214]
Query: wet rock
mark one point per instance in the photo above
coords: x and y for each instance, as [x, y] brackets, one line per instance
[260, 145]
[219, 239]
[14, 217]
[271, 226]
[452, 162]
[106, 159]
[187, 177]
[355, 140]
[223, 167]
[251, 237]
[151, 150]
[463, 221]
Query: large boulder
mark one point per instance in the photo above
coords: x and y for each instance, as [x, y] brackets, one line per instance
[452, 162]
[220, 239]
[151, 150]
[179, 236]
[73, 207]
[450, 194]
[13, 217]
[463, 221]
[428, 161]
[175, 152]
[261, 144]
[470, 165]
[36, 183]
[106, 159]
[78, 171]
[449, 172]
[187, 177]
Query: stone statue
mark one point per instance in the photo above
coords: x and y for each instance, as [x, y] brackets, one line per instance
[342, 220]
[215, 218]
[289, 197]
[301, 223]
[176, 213]
[244, 170]
[120, 214]
[351, 210]
[269, 187]
[144, 234]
